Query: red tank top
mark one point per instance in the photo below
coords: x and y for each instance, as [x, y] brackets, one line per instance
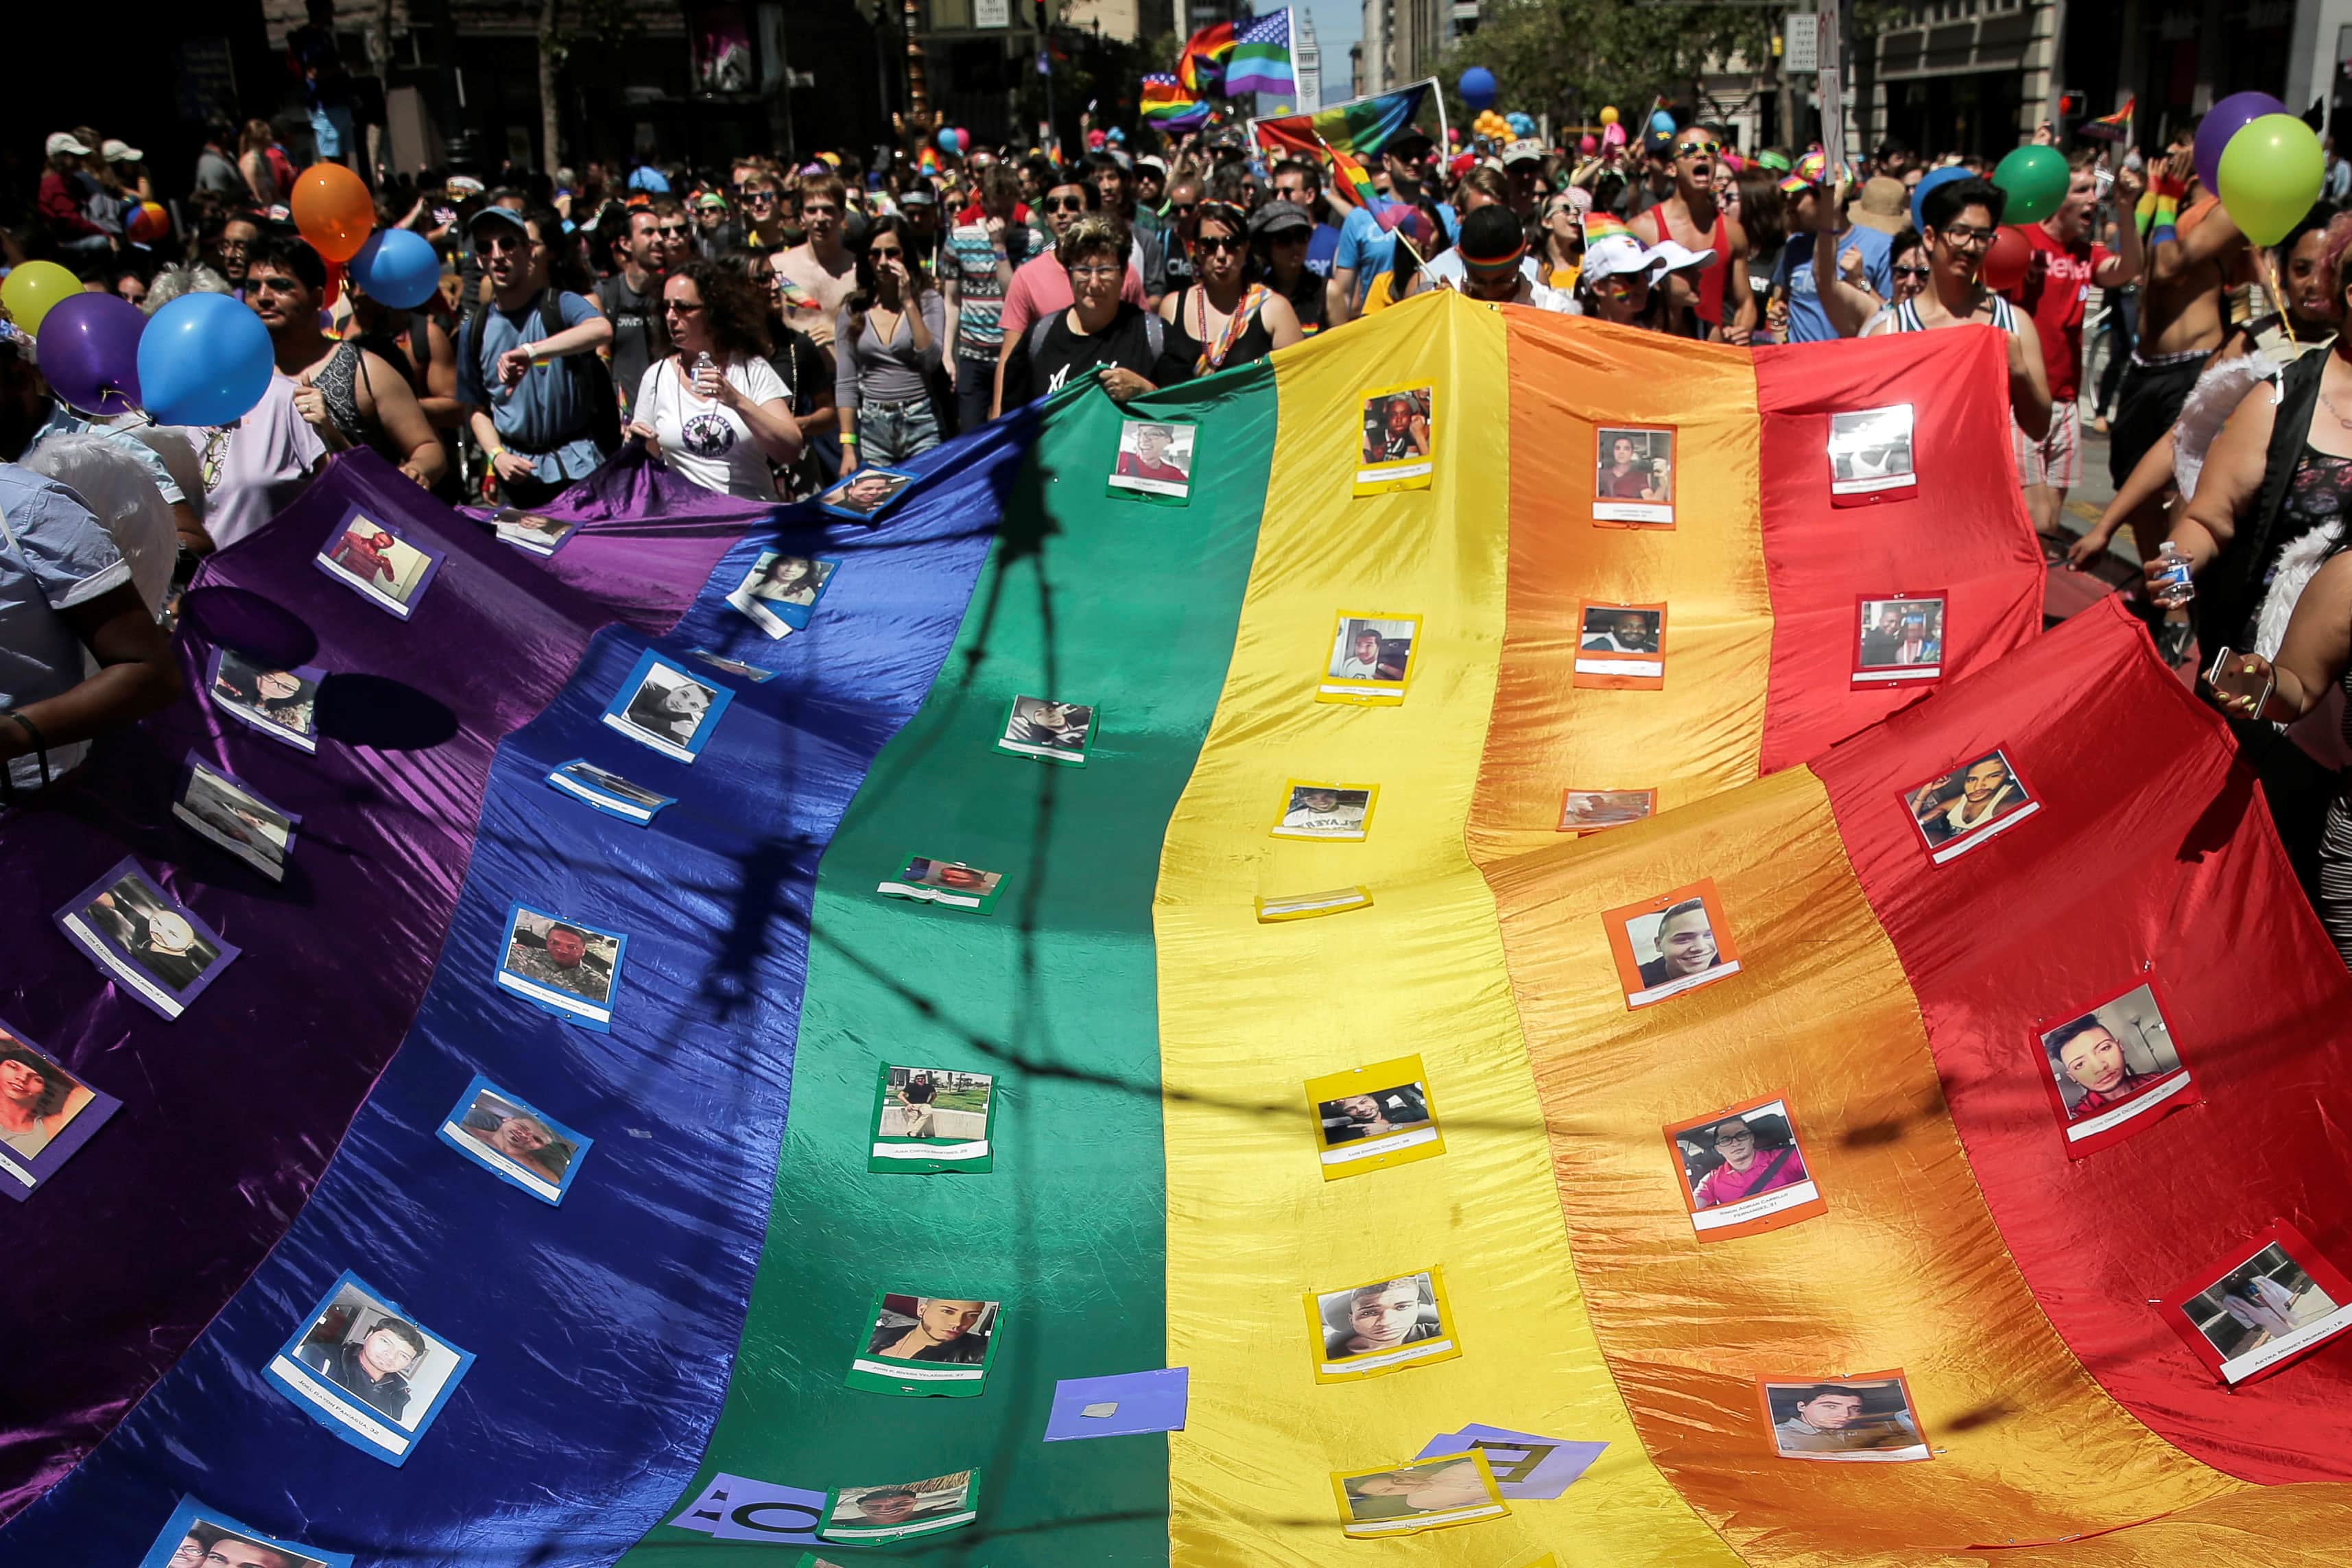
[1711, 277]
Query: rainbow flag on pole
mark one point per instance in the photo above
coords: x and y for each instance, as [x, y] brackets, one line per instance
[1361, 125]
[2116, 127]
[1261, 58]
[1168, 105]
[1201, 65]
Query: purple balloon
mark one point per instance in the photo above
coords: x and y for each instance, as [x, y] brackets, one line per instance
[2223, 121]
[89, 353]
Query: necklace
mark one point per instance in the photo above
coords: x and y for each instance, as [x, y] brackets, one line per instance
[2335, 413]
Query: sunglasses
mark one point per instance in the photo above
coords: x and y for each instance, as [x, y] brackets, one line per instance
[491, 244]
[1064, 204]
[1182, 207]
[669, 228]
[1697, 149]
[1222, 242]
[886, 252]
[766, 196]
[679, 307]
[1911, 272]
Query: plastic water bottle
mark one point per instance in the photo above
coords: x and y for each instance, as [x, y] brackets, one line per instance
[703, 366]
[2173, 587]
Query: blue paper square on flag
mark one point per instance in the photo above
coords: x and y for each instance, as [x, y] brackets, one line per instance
[1124, 1406]
[1528, 1469]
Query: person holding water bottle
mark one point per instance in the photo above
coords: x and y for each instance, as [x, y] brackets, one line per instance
[715, 411]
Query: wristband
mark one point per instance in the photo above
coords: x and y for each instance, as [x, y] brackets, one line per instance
[2168, 185]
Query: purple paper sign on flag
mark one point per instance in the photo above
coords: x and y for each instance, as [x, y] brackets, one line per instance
[1120, 1406]
[1528, 1469]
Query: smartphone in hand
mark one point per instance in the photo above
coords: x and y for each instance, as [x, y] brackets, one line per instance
[2233, 682]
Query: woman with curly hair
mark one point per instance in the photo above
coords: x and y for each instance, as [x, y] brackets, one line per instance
[720, 425]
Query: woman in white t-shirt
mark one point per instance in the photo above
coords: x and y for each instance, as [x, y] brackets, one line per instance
[723, 431]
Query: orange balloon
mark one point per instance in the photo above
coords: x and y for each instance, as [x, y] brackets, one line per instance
[333, 210]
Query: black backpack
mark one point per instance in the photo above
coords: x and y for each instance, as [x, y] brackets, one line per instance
[603, 409]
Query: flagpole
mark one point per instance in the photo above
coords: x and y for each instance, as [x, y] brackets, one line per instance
[1445, 137]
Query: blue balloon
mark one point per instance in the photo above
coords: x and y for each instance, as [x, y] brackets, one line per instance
[947, 141]
[1521, 124]
[1477, 87]
[204, 359]
[1928, 181]
[398, 268]
[1662, 119]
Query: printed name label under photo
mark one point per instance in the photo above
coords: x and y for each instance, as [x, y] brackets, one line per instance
[931, 1119]
[1743, 1170]
[1342, 812]
[280, 703]
[367, 1372]
[1863, 1419]
[224, 811]
[532, 531]
[608, 792]
[926, 1345]
[1048, 730]
[1633, 476]
[2266, 1303]
[1620, 646]
[1155, 459]
[515, 1142]
[1398, 445]
[1309, 906]
[779, 594]
[1955, 812]
[1870, 455]
[2112, 1071]
[1671, 943]
[1425, 1494]
[877, 1515]
[1898, 639]
[1371, 659]
[373, 560]
[566, 967]
[155, 948]
[1370, 1116]
[45, 1113]
[662, 706]
[929, 880]
[1379, 1326]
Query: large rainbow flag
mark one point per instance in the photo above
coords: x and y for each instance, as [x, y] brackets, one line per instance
[661, 1363]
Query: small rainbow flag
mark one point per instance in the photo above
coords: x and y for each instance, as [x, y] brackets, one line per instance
[1355, 181]
[1599, 225]
[2114, 127]
[1168, 105]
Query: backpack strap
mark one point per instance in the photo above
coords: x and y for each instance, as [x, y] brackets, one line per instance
[1037, 331]
[1155, 333]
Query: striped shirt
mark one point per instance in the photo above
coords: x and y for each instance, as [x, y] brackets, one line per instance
[969, 259]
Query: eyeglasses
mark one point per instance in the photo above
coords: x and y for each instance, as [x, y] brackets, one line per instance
[1697, 149]
[1105, 271]
[1967, 234]
[1065, 203]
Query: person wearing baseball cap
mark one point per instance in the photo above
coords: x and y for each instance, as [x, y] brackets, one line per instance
[1523, 165]
[65, 190]
[1814, 221]
[1614, 284]
[1693, 219]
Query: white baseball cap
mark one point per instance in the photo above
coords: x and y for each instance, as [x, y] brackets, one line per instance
[1526, 147]
[1676, 257]
[120, 151]
[1618, 256]
[63, 142]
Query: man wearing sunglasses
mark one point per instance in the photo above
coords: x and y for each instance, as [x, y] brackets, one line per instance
[673, 230]
[1692, 217]
[1040, 285]
[822, 265]
[1367, 250]
[1815, 209]
[534, 414]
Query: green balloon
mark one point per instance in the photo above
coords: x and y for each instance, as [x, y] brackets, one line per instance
[2036, 180]
[2271, 173]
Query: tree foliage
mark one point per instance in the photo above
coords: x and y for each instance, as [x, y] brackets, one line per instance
[1568, 58]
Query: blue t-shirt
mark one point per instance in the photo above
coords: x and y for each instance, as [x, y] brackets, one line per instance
[1321, 247]
[1808, 322]
[53, 555]
[545, 416]
[1365, 246]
